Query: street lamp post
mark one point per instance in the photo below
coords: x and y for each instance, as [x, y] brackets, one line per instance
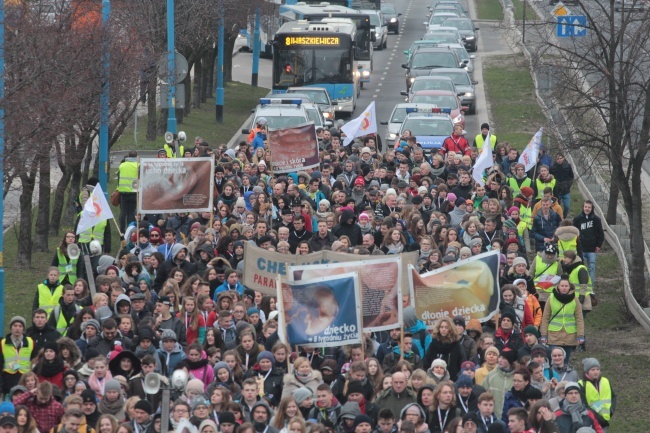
[2, 161]
[104, 97]
[256, 47]
[171, 69]
[220, 44]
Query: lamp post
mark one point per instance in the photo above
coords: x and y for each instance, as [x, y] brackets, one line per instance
[2, 161]
[104, 97]
[220, 43]
[171, 69]
[256, 47]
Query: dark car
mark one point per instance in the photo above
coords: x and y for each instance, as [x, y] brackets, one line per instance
[467, 31]
[391, 17]
[423, 60]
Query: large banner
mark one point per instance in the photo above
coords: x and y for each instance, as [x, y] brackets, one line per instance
[379, 280]
[468, 288]
[262, 266]
[176, 185]
[293, 149]
[321, 312]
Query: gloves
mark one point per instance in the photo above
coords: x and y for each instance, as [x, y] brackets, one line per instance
[581, 340]
[544, 340]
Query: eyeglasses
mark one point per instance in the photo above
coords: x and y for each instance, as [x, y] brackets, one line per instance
[181, 410]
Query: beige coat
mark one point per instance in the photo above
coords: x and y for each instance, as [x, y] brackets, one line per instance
[562, 338]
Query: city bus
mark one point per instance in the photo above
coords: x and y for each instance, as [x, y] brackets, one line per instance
[364, 36]
[318, 54]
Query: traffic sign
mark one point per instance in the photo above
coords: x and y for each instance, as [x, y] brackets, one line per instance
[560, 10]
[571, 26]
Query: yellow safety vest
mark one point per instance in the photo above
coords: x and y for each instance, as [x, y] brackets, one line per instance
[570, 245]
[61, 324]
[541, 270]
[172, 154]
[573, 279]
[17, 361]
[128, 172]
[480, 141]
[48, 300]
[541, 185]
[514, 185]
[600, 402]
[67, 268]
[93, 233]
[526, 216]
[562, 316]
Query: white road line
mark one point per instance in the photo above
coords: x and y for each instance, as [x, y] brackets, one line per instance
[380, 84]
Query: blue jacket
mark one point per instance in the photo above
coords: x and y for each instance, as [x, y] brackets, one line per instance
[419, 331]
[224, 288]
[509, 402]
[543, 228]
[258, 141]
[169, 360]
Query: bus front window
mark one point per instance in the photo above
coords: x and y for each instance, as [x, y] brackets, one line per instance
[303, 67]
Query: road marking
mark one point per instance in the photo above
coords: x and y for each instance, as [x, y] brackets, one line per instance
[383, 78]
[374, 96]
[380, 84]
[385, 73]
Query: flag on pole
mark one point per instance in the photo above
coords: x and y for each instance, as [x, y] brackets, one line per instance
[95, 211]
[365, 124]
[483, 162]
[530, 155]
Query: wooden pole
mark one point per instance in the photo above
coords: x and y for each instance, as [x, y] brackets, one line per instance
[282, 323]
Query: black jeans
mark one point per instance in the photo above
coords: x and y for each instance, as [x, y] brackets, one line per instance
[128, 206]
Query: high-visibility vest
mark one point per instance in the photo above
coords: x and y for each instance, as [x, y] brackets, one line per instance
[514, 185]
[541, 185]
[541, 270]
[66, 268]
[61, 324]
[526, 216]
[174, 154]
[480, 141]
[47, 300]
[599, 401]
[93, 233]
[16, 358]
[573, 279]
[562, 316]
[128, 173]
[570, 245]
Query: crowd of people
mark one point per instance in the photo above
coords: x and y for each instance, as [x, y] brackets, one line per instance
[172, 299]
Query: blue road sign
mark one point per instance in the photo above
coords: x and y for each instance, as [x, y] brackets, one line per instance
[571, 26]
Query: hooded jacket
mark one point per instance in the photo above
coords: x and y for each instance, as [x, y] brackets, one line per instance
[349, 229]
[331, 413]
[592, 235]
[421, 336]
[120, 298]
[201, 265]
[104, 346]
[168, 265]
[168, 360]
[269, 428]
[41, 336]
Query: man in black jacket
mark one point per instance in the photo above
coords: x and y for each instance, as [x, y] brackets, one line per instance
[348, 228]
[591, 236]
[179, 254]
[563, 174]
[41, 331]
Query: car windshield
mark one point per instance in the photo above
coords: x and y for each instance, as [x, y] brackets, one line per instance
[399, 114]
[374, 20]
[428, 126]
[433, 60]
[461, 52]
[314, 116]
[445, 101]
[388, 8]
[429, 84]
[317, 96]
[277, 122]
[436, 20]
[460, 79]
[441, 38]
[459, 24]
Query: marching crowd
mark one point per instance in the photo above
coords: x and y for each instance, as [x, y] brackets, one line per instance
[172, 300]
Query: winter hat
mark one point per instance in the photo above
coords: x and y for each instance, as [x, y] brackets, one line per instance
[464, 381]
[350, 410]
[465, 250]
[585, 430]
[460, 201]
[475, 241]
[438, 363]
[52, 346]
[198, 402]
[473, 417]
[71, 373]
[325, 202]
[88, 396]
[359, 181]
[539, 350]
[530, 329]
[240, 202]
[8, 408]
[194, 385]
[512, 209]
[497, 427]
[168, 334]
[534, 393]
[459, 321]
[449, 258]
[145, 333]
[336, 245]
[144, 405]
[355, 386]
[209, 422]
[589, 363]
[361, 419]
[302, 394]
[113, 267]
[451, 197]
[508, 314]
[258, 189]
[252, 310]
[227, 418]
[570, 386]
[467, 365]
[509, 225]
[262, 162]
[474, 325]
[519, 281]
[364, 215]
[103, 313]
[218, 366]
[410, 318]
[265, 355]
[18, 319]
[509, 355]
[492, 349]
[518, 261]
[527, 191]
[112, 385]
[17, 388]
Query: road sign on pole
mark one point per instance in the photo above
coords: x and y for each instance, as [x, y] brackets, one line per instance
[569, 26]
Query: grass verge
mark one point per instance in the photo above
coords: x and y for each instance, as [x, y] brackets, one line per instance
[240, 98]
[621, 345]
[493, 10]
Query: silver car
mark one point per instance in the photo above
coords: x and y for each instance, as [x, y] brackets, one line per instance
[378, 27]
[464, 85]
[464, 56]
[397, 118]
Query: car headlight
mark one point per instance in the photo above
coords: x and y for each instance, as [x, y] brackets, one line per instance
[327, 115]
[469, 38]
[393, 20]
[469, 94]
[392, 136]
[457, 119]
[365, 73]
[412, 79]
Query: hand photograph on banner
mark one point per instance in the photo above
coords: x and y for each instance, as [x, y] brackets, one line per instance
[293, 149]
[468, 288]
[322, 312]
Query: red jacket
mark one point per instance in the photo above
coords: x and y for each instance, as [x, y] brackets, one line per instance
[458, 144]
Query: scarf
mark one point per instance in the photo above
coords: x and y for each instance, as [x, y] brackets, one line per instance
[365, 229]
[564, 299]
[197, 364]
[98, 386]
[437, 172]
[576, 410]
[51, 368]
[395, 249]
[520, 395]
[303, 378]
[111, 407]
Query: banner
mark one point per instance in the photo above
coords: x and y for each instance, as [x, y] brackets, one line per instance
[483, 162]
[176, 185]
[381, 291]
[95, 211]
[293, 149]
[468, 288]
[321, 312]
[263, 266]
[365, 124]
[530, 155]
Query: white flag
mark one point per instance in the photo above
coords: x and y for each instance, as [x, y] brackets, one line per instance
[365, 124]
[530, 155]
[483, 162]
[95, 210]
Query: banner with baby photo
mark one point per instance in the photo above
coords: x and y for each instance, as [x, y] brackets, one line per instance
[468, 288]
[380, 283]
[320, 312]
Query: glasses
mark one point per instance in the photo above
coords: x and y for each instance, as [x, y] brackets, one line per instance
[70, 236]
[181, 410]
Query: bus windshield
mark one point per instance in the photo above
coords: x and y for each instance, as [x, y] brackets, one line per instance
[298, 67]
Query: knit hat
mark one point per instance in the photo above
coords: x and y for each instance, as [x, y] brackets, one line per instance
[112, 385]
[438, 363]
[168, 334]
[475, 241]
[361, 419]
[449, 258]
[71, 373]
[492, 349]
[51, 345]
[209, 422]
[252, 310]
[194, 385]
[520, 281]
[355, 386]
[571, 386]
[18, 319]
[539, 350]
[474, 325]
[460, 201]
[509, 355]
[359, 181]
[527, 191]
[364, 215]
[350, 410]
[465, 251]
[198, 402]
[451, 197]
[459, 321]
[88, 396]
[473, 417]
[265, 355]
[464, 381]
[510, 315]
[144, 405]
[518, 261]
[325, 202]
[336, 245]
[410, 318]
[302, 394]
[534, 393]
[530, 329]
[467, 365]
[249, 293]
[497, 427]
[227, 418]
[589, 363]
[8, 408]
